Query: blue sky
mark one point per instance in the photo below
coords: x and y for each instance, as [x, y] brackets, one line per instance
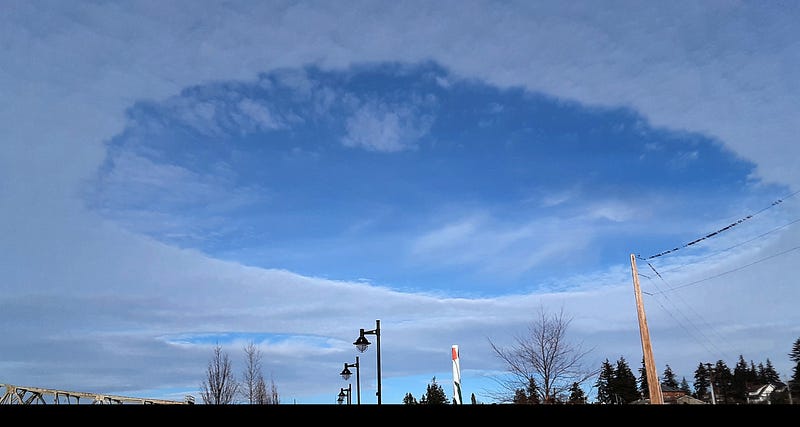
[288, 173]
[407, 175]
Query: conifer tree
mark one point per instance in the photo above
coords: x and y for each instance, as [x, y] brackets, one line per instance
[794, 356]
[762, 374]
[604, 383]
[528, 396]
[752, 373]
[684, 386]
[624, 384]
[739, 382]
[702, 382]
[669, 378]
[576, 395]
[520, 398]
[721, 377]
[533, 392]
[794, 383]
[770, 374]
[409, 399]
[434, 395]
[644, 386]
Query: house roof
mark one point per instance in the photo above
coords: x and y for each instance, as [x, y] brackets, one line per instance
[689, 400]
[762, 388]
[682, 400]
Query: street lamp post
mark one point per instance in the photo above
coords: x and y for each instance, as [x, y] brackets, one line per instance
[346, 375]
[345, 392]
[361, 344]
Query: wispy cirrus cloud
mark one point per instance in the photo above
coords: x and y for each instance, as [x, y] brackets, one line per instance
[388, 128]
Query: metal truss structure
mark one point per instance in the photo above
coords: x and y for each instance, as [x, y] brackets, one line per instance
[22, 395]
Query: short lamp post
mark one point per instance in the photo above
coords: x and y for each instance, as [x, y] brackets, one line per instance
[346, 375]
[345, 393]
[361, 344]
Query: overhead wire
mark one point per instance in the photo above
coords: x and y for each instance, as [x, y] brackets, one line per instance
[698, 315]
[721, 230]
[699, 259]
[730, 271]
[664, 293]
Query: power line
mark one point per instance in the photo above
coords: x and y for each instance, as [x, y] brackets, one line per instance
[730, 271]
[723, 229]
[729, 248]
[699, 330]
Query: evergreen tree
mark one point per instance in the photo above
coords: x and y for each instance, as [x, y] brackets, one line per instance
[794, 383]
[702, 381]
[604, 383]
[669, 378]
[752, 374]
[644, 386]
[624, 384]
[520, 398]
[739, 382]
[721, 377]
[529, 396]
[409, 399]
[533, 392]
[472, 399]
[771, 376]
[684, 387]
[794, 355]
[576, 395]
[434, 395]
[762, 374]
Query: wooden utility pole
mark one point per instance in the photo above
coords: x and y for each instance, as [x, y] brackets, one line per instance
[653, 383]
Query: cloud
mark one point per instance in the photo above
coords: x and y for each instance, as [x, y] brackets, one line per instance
[385, 128]
[614, 210]
[260, 115]
[73, 280]
[157, 198]
[500, 249]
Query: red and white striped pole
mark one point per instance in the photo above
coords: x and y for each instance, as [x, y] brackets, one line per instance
[456, 375]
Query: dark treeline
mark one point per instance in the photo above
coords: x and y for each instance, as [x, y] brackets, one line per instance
[712, 382]
[616, 384]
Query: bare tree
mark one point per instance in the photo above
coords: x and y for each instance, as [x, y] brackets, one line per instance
[545, 356]
[252, 379]
[220, 386]
[264, 396]
[253, 387]
[269, 397]
[260, 394]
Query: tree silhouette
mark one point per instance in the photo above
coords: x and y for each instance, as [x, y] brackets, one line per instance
[545, 355]
[434, 395]
[220, 386]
